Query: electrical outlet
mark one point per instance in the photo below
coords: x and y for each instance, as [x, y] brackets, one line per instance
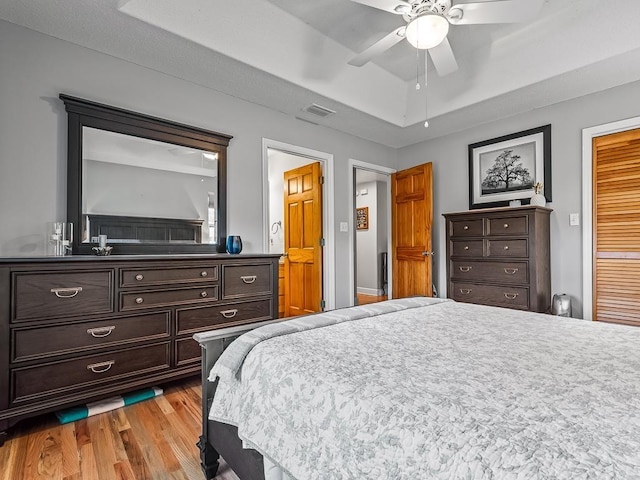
[574, 219]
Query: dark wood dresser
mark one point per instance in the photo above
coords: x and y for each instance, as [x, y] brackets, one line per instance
[500, 257]
[82, 328]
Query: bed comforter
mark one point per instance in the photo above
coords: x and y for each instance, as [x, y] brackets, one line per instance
[426, 389]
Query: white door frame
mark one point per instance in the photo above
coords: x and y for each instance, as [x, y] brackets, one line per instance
[588, 134]
[328, 228]
[372, 167]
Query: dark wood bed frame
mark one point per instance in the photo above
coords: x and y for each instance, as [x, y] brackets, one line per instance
[220, 439]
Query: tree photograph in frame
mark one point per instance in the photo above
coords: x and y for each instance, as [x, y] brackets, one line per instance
[507, 168]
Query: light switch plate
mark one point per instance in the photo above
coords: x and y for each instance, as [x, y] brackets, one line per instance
[574, 219]
[344, 227]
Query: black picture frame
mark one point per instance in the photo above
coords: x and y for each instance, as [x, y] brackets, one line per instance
[523, 157]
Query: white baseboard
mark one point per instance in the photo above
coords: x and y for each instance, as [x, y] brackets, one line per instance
[370, 291]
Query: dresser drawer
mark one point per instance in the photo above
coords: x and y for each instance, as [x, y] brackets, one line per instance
[502, 272]
[30, 384]
[187, 351]
[243, 280]
[192, 320]
[507, 248]
[467, 228]
[61, 294]
[500, 296]
[131, 277]
[467, 248]
[35, 343]
[163, 298]
[508, 226]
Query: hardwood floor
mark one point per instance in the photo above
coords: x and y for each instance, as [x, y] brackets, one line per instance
[153, 439]
[364, 299]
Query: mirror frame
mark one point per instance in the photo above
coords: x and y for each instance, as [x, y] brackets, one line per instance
[83, 113]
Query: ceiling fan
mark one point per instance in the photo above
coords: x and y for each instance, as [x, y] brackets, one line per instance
[427, 25]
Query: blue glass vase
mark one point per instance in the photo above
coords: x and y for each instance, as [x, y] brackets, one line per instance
[234, 244]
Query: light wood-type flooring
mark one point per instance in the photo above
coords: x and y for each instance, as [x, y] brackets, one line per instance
[364, 299]
[153, 439]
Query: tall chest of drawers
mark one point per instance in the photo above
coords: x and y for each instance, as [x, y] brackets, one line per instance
[500, 257]
[78, 329]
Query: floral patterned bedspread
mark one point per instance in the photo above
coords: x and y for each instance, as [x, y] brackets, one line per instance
[443, 391]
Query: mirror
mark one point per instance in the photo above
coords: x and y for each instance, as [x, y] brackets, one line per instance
[148, 184]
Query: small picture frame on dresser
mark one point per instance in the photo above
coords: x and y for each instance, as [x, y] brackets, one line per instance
[506, 168]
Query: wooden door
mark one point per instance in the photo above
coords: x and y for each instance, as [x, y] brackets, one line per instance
[411, 221]
[302, 240]
[616, 227]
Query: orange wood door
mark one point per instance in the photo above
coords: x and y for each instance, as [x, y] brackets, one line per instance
[616, 228]
[302, 240]
[411, 221]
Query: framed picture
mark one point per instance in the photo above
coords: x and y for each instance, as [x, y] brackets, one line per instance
[362, 218]
[506, 168]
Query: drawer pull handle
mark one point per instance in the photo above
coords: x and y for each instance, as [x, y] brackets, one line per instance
[511, 296]
[139, 277]
[139, 300]
[465, 291]
[510, 271]
[101, 367]
[66, 292]
[466, 227]
[464, 269]
[204, 273]
[506, 225]
[229, 313]
[466, 247]
[249, 278]
[204, 294]
[101, 332]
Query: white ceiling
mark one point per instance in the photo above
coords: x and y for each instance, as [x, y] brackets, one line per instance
[288, 54]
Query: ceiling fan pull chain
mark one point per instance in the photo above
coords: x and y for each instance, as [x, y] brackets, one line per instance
[426, 93]
[417, 69]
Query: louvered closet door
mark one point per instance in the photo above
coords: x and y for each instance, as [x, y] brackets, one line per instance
[616, 224]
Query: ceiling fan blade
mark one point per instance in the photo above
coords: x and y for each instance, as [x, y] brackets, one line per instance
[443, 58]
[505, 11]
[377, 48]
[392, 6]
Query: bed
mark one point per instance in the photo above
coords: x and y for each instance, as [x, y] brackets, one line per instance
[424, 388]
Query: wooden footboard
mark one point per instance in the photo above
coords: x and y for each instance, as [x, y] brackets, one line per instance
[218, 438]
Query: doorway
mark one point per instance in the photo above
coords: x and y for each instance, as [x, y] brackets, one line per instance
[370, 199]
[278, 159]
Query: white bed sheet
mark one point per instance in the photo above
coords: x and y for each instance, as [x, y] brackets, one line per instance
[444, 391]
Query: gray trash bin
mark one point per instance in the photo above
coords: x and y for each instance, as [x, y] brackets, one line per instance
[561, 305]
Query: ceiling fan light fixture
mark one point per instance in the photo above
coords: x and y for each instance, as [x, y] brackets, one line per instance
[427, 30]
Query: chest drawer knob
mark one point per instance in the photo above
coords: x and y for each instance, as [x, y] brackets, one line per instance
[506, 247]
[506, 225]
[101, 367]
[229, 313]
[204, 294]
[139, 277]
[464, 268]
[203, 273]
[66, 292]
[510, 271]
[248, 278]
[101, 332]
[465, 291]
[510, 296]
[466, 227]
[466, 247]
[139, 300]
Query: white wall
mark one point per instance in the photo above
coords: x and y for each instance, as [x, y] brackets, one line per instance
[36, 68]
[450, 164]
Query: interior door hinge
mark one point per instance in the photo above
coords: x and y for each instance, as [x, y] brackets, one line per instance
[322, 304]
[322, 180]
[322, 242]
